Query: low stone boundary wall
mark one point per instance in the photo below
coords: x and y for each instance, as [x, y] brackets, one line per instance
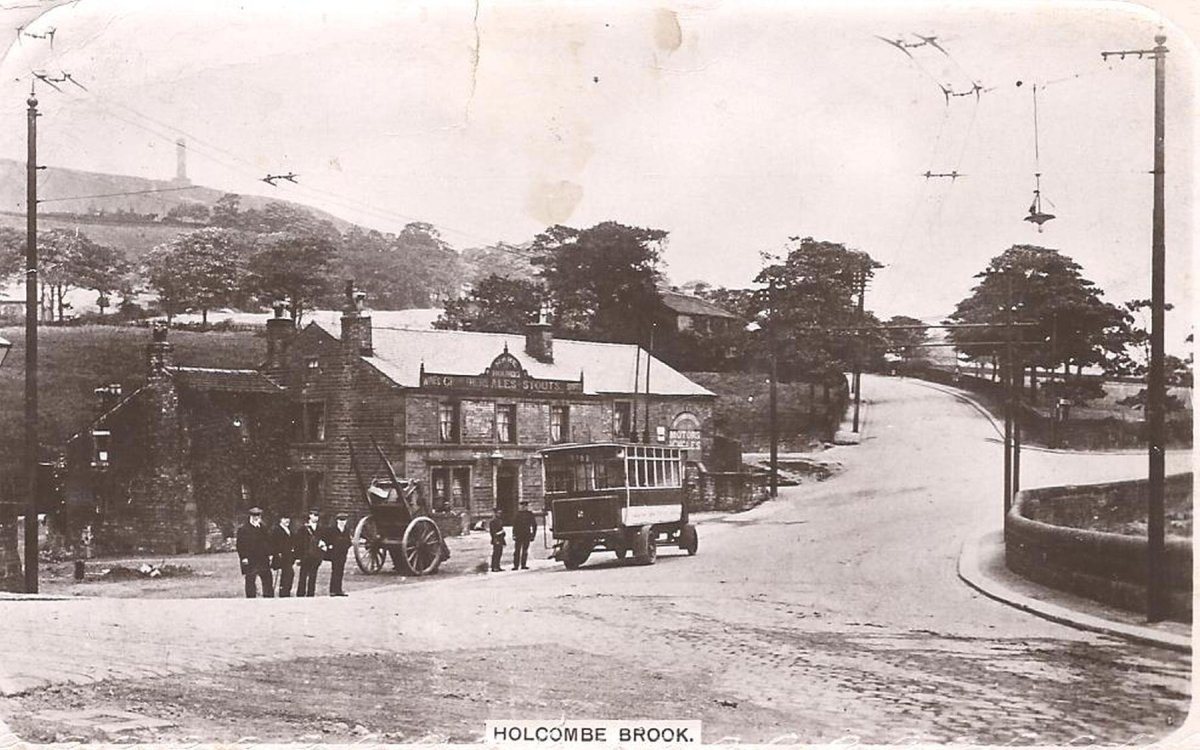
[1107, 567]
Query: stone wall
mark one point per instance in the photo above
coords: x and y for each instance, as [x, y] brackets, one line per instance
[1107, 567]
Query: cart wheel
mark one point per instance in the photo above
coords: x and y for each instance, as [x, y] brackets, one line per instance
[645, 549]
[689, 541]
[421, 546]
[369, 552]
[575, 553]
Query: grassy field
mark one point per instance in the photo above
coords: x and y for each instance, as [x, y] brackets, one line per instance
[74, 361]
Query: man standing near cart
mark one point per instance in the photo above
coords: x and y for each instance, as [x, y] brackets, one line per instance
[283, 554]
[254, 554]
[496, 529]
[337, 539]
[524, 532]
[309, 548]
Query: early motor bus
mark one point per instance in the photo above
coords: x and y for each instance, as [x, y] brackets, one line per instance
[618, 497]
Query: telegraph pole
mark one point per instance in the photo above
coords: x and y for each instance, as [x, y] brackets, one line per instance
[1008, 390]
[860, 278]
[31, 355]
[1156, 585]
[774, 416]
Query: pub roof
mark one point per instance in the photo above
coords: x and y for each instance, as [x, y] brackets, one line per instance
[402, 354]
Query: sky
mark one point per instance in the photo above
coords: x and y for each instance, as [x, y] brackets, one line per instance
[733, 126]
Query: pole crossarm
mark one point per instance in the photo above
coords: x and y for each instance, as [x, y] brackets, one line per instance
[917, 328]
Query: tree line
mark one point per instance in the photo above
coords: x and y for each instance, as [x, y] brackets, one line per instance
[245, 258]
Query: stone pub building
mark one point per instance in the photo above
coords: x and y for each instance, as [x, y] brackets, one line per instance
[465, 413]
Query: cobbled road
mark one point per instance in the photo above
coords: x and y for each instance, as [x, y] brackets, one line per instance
[834, 611]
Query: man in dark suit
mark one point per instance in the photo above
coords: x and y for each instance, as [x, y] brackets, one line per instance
[283, 554]
[524, 532]
[254, 554]
[337, 539]
[496, 529]
[310, 549]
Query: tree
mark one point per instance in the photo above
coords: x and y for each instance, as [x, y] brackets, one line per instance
[815, 290]
[415, 268]
[905, 342]
[296, 269]
[69, 259]
[201, 270]
[190, 212]
[1073, 325]
[602, 282]
[497, 303]
[12, 252]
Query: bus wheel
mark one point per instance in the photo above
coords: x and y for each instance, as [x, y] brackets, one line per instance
[645, 550]
[575, 553]
[688, 539]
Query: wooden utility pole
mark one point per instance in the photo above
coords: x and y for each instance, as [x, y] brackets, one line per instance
[1008, 392]
[31, 355]
[774, 404]
[860, 278]
[1156, 563]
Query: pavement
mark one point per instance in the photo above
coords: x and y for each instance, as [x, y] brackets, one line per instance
[981, 566]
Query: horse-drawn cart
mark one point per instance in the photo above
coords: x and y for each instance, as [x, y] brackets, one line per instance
[398, 523]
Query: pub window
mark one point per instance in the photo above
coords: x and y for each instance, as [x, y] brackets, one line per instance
[312, 363]
[506, 423]
[623, 419]
[560, 423]
[448, 422]
[450, 488]
[310, 422]
[101, 447]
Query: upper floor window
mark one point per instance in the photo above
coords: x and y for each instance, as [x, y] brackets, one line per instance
[623, 419]
[312, 363]
[448, 422]
[506, 423]
[560, 423]
[310, 422]
[101, 447]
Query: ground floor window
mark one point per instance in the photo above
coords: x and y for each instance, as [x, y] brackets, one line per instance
[450, 487]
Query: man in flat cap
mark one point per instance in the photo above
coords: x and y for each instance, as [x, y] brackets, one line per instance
[337, 541]
[524, 532]
[309, 548]
[283, 554]
[254, 554]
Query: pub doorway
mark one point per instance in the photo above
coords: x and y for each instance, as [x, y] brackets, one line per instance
[507, 492]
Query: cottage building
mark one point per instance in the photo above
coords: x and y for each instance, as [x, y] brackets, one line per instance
[464, 413]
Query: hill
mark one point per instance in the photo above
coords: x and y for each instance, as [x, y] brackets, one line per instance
[60, 183]
[112, 355]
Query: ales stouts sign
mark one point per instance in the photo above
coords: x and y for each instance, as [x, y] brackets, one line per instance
[505, 375]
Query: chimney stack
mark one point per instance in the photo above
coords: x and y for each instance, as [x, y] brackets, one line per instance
[280, 330]
[539, 339]
[159, 351]
[356, 322]
[107, 397]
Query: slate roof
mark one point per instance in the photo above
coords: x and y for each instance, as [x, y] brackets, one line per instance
[223, 379]
[607, 368]
[686, 304]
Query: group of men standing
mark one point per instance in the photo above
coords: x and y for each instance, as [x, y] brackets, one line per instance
[262, 551]
[524, 531]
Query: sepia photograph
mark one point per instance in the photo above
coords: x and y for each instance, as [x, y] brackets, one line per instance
[606, 374]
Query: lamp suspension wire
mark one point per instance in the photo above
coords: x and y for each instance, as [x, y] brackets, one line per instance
[1036, 215]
